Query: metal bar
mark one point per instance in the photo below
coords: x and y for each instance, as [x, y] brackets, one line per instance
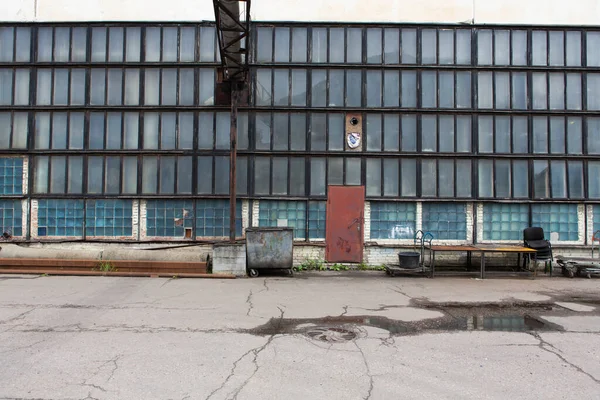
[232, 164]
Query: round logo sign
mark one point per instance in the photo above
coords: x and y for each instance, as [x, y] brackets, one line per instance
[353, 139]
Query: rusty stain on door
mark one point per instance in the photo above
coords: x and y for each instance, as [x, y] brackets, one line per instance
[344, 229]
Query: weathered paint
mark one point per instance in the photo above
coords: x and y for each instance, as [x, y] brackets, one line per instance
[344, 228]
[269, 248]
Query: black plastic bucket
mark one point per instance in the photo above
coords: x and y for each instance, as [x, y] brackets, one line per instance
[409, 260]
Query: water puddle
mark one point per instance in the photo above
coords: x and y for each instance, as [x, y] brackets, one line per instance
[336, 328]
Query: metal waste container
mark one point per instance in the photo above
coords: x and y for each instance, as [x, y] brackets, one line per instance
[269, 248]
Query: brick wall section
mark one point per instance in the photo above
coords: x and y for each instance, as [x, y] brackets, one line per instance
[255, 210]
[34, 219]
[367, 223]
[25, 175]
[135, 219]
[245, 216]
[303, 253]
[24, 215]
[142, 219]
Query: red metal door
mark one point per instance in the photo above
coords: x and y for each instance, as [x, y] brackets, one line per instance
[344, 229]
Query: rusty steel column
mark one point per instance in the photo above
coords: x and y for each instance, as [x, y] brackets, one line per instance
[232, 163]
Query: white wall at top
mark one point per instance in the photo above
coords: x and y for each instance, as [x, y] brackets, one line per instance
[550, 12]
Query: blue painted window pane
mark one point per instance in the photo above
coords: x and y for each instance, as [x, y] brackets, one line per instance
[284, 214]
[596, 217]
[11, 217]
[505, 221]
[60, 218]
[108, 218]
[446, 221]
[390, 220]
[11, 176]
[212, 218]
[169, 218]
[559, 218]
[317, 213]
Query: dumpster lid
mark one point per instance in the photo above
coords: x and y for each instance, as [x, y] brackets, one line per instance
[269, 229]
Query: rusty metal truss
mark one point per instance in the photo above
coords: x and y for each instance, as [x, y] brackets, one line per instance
[232, 19]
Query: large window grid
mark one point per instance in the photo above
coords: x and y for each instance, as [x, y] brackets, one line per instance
[11, 217]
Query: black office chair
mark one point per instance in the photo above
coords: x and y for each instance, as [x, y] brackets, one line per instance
[534, 239]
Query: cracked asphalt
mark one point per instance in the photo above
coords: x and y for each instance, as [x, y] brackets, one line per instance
[413, 338]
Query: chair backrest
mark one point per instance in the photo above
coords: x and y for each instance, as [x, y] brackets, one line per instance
[533, 233]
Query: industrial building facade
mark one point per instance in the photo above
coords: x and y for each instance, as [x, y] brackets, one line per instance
[111, 131]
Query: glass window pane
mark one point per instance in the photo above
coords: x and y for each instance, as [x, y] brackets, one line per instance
[130, 166]
[95, 175]
[222, 171]
[44, 44]
[23, 47]
[299, 87]
[98, 44]
[446, 178]
[78, 86]
[486, 178]
[502, 93]
[463, 46]
[485, 90]
[151, 87]
[373, 132]
[222, 131]
[186, 87]
[428, 133]
[428, 89]
[593, 46]
[76, 127]
[96, 139]
[486, 134]
[185, 129]
[169, 87]
[167, 131]
[132, 87]
[541, 179]
[520, 135]
[446, 89]
[61, 85]
[297, 181]
[374, 50]
[502, 176]
[593, 135]
[59, 131]
[373, 88]
[574, 135]
[22, 87]
[208, 38]
[44, 84]
[242, 131]
[557, 48]
[390, 177]
[540, 135]
[187, 45]
[167, 175]
[42, 130]
[428, 178]
[391, 93]
[113, 131]
[169, 44]
[20, 130]
[429, 46]
[264, 44]
[206, 82]
[391, 38]
[205, 175]
[373, 177]
[502, 134]
[336, 132]
[446, 128]
[353, 171]
[540, 91]
[593, 88]
[594, 179]
[519, 47]
[539, 48]
[132, 129]
[575, 171]
[391, 129]
[263, 131]
[280, 131]
[463, 172]
[279, 182]
[133, 44]
[151, 130]
[263, 87]
[519, 90]
[115, 42]
[112, 175]
[41, 175]
[319, 45]
[318, 132]
[484, 47]
[282, 44]
[115, 87]
[446, 46]
[335, 171]
[409, 89]
[205, 130]
[573, 49]
[336, 45]
[501, 47]
[409, 177]
[299, 45]
[409, 46]
[463, 89]
[557, 135]
[557, 91]
[319, 88]
[298, 132]
[79, 44]
[6, 44]
[354, 50]
[520, 179]
[336, 88]
[353, 88]
[463, 133]
[242, 176]
[409, 133]
[317, 176]
[574, 91]
[152, 48]
[58, 170]
[62, 44]
[559, 179]
[149, 175]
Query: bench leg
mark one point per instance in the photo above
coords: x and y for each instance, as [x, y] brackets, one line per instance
[482, 273]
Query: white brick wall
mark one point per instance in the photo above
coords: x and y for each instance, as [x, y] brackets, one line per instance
[304, 252]
[25, 175]
[34, 218]
[24, 216]
[245, 216]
